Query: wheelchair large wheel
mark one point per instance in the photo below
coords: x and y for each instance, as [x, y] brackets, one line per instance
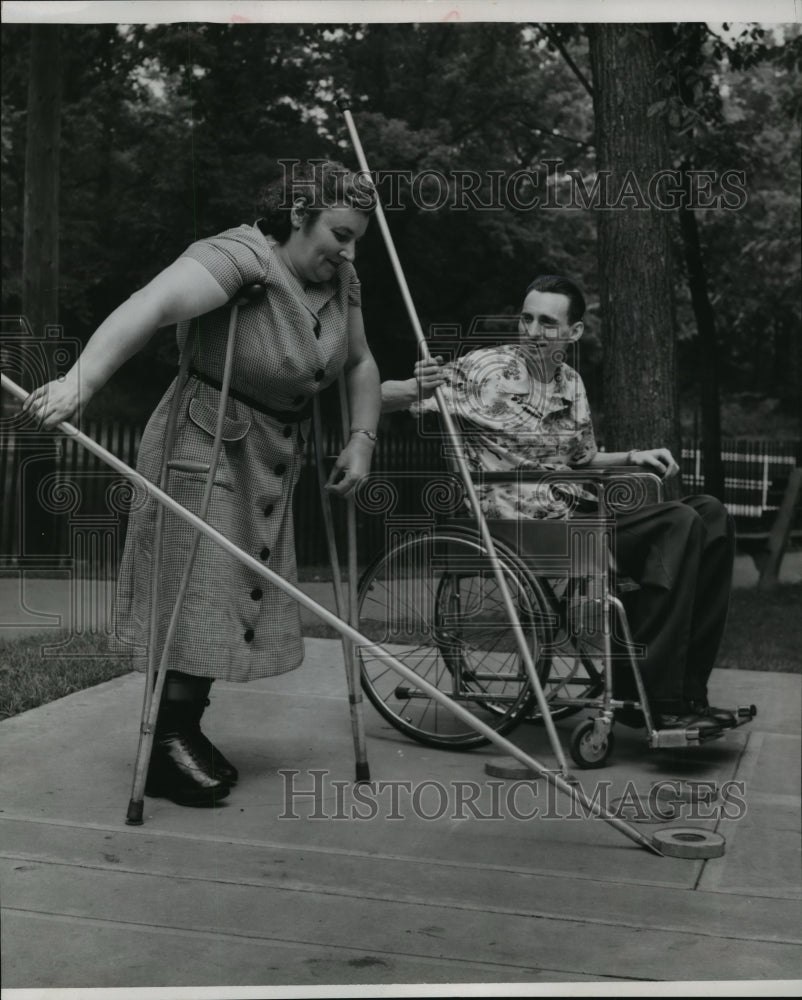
[434, 602]
[574, 658]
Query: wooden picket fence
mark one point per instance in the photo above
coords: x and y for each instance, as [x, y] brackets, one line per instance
[83, 504]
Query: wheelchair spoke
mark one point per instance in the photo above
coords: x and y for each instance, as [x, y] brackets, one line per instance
[435, 603]
[576, 661]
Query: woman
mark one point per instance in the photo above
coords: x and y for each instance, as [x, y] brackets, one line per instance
[293, 343]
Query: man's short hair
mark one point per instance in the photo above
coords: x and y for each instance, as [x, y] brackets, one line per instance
[559, 285]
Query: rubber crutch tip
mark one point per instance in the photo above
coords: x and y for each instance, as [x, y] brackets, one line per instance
[249, 294]
[135, 811]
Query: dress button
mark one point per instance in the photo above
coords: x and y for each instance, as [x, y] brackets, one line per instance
[269, 510]
[319, 375]
[248, 635]
[280, 469]
[264, 554]
[288, 431]
[256, 594]
[298, 400]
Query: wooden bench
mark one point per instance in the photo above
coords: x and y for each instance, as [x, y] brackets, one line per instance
[762, 498]
[768, 556]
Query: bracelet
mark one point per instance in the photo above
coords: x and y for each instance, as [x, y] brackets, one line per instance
[629, 456]
[364, 430]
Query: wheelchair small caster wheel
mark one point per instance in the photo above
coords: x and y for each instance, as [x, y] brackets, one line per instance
[587, 749]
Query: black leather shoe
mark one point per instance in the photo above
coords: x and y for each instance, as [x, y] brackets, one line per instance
[207, 753]
[722, 716]
[176, 773]
[213, 762]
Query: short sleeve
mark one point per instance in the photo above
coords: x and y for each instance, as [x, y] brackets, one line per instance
[423, 406]
[462, 379]
[430, 404]
[583, 447]
[348, 277]
[229, 260]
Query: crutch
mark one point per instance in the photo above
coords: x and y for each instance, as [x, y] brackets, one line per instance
[459, 454]
[353, 568]
[155, 686]
[351, 668]
[570, 787]
[155, 576]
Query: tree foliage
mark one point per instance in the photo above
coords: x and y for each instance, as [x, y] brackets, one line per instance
[735, 105]
[170, 131]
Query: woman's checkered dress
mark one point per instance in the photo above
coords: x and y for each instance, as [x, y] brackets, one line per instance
[235, 626]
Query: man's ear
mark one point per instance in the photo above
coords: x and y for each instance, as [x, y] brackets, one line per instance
[576, 331]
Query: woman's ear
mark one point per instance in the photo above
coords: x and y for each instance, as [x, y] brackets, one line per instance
[298, 213]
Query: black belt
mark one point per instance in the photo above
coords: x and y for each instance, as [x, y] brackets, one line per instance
[285, 416]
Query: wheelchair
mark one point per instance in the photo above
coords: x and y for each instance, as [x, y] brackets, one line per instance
[434, 601]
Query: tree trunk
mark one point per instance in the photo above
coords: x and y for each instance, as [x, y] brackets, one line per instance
[708, 376]
[708, 354]
[40, 270]
[635, 269]
[41, 207]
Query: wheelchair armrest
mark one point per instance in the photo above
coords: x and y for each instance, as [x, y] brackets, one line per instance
[608, 480]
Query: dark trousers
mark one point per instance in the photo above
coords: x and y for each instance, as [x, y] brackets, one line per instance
[681, 555]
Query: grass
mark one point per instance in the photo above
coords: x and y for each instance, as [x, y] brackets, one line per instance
[764, 632]
[33, 673]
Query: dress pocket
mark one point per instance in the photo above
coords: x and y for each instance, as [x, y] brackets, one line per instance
[193, 449]
[205, 417]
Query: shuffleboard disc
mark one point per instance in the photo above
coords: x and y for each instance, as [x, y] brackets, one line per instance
[689, 842]
[509, 767]
[686, 791]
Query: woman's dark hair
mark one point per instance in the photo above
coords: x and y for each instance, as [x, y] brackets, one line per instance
[559, 285]
[319, 184]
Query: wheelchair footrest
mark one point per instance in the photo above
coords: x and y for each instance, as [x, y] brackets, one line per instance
[661, 739]
[743, 714]
[664, 739]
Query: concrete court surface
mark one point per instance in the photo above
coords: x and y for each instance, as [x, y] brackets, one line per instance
[279, 889]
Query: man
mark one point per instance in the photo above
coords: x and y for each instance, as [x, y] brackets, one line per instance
[521, 406]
